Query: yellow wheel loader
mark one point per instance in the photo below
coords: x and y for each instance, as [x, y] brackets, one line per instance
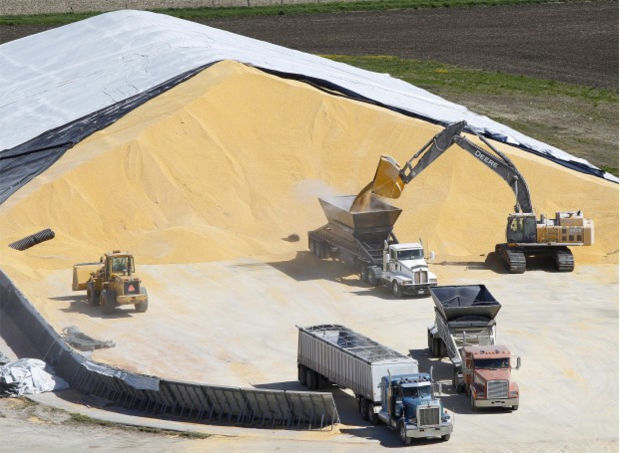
[111, 282]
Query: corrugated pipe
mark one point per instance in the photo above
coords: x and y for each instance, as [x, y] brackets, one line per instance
[33, 239]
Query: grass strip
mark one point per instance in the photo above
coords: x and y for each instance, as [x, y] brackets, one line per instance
[432, 76]
[579, 119]
[276, 10]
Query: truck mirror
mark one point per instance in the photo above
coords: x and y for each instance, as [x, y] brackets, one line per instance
[518, 363]
[431, 257]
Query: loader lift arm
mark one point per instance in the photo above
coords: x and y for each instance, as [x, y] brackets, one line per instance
[499, 162]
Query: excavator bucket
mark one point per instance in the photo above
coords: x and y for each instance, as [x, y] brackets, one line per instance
[387, 181]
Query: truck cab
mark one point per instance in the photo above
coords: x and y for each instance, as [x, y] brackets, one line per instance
[486, 373]
[405, 269]
[408, 404]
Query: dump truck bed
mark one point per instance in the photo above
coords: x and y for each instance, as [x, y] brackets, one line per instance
[454, 302]
[379, 214]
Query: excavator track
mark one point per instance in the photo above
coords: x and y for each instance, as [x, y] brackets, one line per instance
[564, 260]
[513, 258]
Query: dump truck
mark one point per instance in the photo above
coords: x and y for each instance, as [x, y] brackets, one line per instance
[366, 240]
[526, 235]
[387, 385]
[111, 282]
[464, 330]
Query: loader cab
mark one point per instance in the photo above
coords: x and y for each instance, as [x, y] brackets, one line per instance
[119, 263]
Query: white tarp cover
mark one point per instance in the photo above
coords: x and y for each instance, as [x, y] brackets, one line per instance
[58, 76]
[27, 377]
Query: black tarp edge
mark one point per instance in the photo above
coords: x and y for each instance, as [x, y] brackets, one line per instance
[20, 164]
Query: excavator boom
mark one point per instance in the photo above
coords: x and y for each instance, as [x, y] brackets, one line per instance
[390, 179]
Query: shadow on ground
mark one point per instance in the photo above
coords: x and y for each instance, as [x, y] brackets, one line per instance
[79, 304]
[306, 267]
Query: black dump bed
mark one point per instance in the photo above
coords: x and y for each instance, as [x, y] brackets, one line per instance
[379, 214]
[466, 300]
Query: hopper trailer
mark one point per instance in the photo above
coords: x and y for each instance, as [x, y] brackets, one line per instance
[365, 239]
[387, 385]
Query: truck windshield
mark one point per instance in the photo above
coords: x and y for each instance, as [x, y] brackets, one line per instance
[503, 362]
[417, 392]
[414, 254]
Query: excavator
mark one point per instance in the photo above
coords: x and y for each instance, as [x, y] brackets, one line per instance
[526, 236]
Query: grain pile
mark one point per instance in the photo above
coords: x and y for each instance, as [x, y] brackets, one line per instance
[230, 162]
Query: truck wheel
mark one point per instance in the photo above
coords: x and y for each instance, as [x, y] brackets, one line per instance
[442, 349]
[91, 294]
[445, 437]
[142, 306]
[311, 379]
[108, 301]
[363, 407]
[402, 431]
[363, 272]
[515, 407]
[301, 374]
[435, 347]
[373, 276]
[372, 417]
[323, 250]
[397, 290]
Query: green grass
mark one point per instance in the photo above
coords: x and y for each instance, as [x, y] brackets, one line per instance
[579, 119]
[275, 10]
[435, 76]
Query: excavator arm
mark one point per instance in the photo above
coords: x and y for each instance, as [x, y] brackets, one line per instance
[390, 179]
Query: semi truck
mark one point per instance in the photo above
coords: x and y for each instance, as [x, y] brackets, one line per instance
[387, 385]
[365, 239]
[465, 331]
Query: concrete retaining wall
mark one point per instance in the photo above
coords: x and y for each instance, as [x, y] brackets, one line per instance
[14, 7]
[29, 335]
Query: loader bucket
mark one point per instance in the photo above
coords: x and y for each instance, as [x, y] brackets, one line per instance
[387, 181]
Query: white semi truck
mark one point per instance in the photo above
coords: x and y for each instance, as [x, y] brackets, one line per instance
[387, 385]
[366, 240]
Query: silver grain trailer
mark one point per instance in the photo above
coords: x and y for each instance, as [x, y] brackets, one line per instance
[386, 384]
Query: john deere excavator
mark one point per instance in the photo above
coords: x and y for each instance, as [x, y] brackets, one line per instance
[525, 235]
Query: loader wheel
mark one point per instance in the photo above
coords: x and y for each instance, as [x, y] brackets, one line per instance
[91, 294]
[107, 299]
[142, 306]
[397, 290]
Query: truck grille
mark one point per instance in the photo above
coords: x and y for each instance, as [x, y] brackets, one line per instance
[132, 288]
[428, 416]
[497, 389]
[421, 277]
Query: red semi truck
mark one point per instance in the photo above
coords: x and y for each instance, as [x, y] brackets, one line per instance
[464, 330]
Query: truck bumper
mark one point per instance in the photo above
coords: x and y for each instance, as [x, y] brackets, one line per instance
[429, 431]
[418, 289]
[133, 299]
[497, 402]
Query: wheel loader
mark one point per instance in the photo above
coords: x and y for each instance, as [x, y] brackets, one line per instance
[526, 236]
[111, 282]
